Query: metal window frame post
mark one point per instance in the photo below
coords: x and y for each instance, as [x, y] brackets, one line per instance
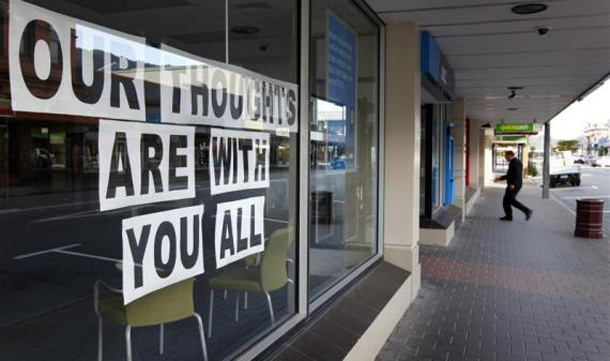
[546, 168]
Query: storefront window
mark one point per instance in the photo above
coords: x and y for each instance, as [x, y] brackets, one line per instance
[344, 141]
[431, 147]
[147, 177]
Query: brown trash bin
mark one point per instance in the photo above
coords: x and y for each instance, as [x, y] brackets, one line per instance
[589, 218]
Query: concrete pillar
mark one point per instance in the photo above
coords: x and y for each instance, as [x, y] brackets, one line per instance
[474, 154]
[402, 149]
[546, 169]
[458, 117]
[485, 157]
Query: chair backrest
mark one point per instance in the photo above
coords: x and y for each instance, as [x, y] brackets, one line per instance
[169, 304]
[273, 262]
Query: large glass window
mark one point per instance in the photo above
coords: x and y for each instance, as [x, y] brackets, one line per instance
[343, 150]
[148, 176]
[432, 116]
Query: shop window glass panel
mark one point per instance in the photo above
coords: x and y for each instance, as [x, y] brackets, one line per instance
[344, 141]
[432, 136]
[437, 138]
[143, 187]
[423, 185]
[262, 37]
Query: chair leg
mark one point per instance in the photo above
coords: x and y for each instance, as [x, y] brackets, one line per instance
[270, 307]
[128, 342]
[211, 312]
[161, 339]
[236, 306]
[100, 339]
[290, 293]
[203, 345]
[224, 295]
[245, 300]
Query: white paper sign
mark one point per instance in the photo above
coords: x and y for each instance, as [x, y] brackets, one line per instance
[144, 163]
[195, 90]
[79, 68]
[239, 160]
[240, 230]
[109, 84]
[161, 249]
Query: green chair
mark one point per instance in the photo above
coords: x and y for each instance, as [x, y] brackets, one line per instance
[170, 304]
[268, 275]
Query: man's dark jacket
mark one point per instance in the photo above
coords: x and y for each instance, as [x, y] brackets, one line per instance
[514, 176]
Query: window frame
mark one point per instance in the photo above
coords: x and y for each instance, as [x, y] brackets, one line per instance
[357, 271]
[304, 307]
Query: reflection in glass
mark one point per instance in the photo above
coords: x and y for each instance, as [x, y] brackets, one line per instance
[344, 142]
[58, 251]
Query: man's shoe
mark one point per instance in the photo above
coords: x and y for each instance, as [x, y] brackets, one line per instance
[506, 219]
[528, 215]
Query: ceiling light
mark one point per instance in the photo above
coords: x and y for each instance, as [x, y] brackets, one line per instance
[528, 9]
[512, 109]
[515, 88]
[245, 30]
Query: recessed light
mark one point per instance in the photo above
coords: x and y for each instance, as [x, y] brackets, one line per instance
[528, 9]
[245, 30]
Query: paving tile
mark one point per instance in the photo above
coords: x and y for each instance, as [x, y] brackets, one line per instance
[510, 291]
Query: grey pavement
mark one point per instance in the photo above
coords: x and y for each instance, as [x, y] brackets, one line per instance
[510, 291]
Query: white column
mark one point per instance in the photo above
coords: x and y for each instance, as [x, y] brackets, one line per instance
[486, 175]
[402, 149]
[474, 154]
[458, 117]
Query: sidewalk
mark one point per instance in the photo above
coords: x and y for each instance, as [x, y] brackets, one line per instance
[510, 290]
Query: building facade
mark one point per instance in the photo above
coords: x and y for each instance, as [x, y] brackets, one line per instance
[203, 179]
[596, 138]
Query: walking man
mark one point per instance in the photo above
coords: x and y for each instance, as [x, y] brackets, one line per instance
[514, 182]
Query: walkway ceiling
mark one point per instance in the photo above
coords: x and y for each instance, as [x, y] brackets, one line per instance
[490, 49]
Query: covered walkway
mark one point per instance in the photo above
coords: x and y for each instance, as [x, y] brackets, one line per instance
[510, 291]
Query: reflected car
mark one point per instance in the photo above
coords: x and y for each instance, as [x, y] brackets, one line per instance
[339, 163]
[591, 160]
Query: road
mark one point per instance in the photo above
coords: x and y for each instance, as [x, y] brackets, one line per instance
[595, 184]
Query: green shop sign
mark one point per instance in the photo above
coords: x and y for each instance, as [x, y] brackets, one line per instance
[512, 128]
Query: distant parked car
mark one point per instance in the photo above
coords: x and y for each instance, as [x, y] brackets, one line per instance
[603, 161]
[563, 170]
[592, 161]
[579, 159]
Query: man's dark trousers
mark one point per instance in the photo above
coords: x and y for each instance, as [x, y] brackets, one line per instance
[510, 200]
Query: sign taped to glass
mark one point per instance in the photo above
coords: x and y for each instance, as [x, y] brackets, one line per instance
[63, 65]
[239, 230]
[160, 249]
[239, 160]
[144, 163]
